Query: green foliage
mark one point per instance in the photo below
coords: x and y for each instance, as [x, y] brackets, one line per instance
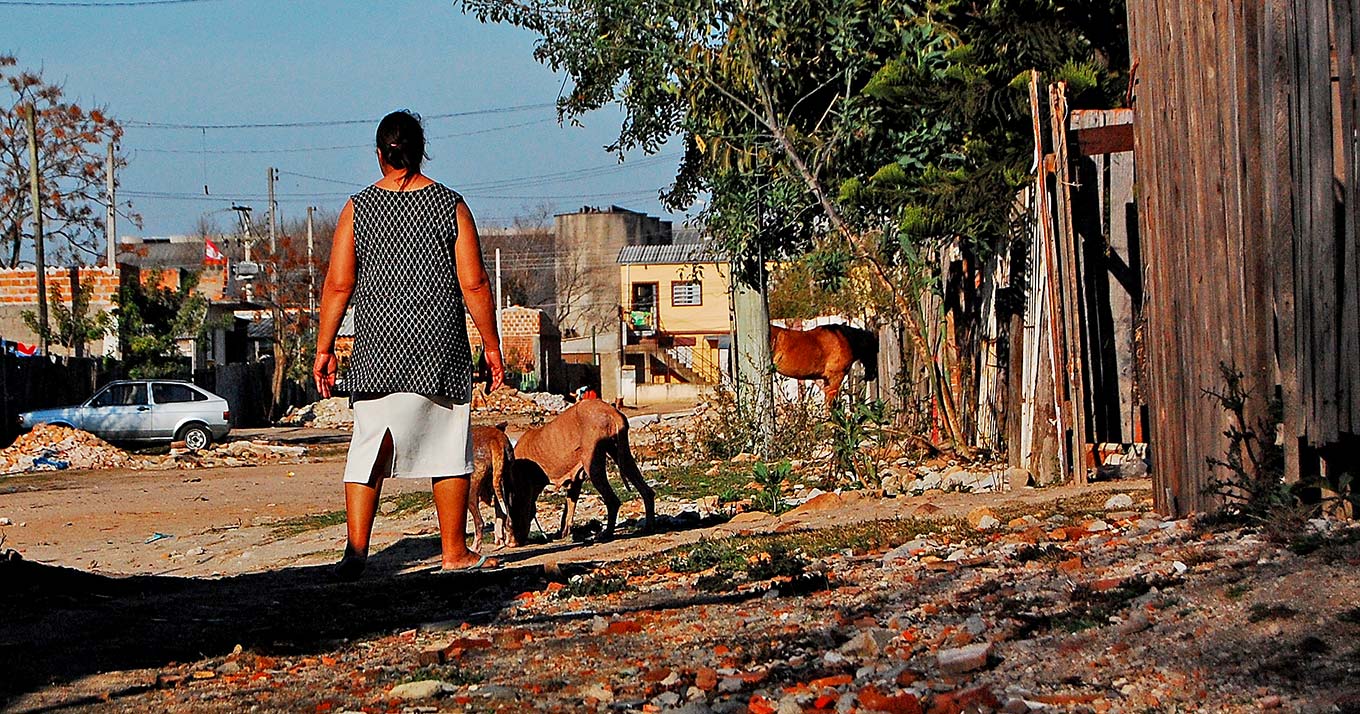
[1252, 483]
[771, 480]
[70, 327]
[593, 584]
[773, 98]
[708, 553]
[151, 320]
[857, 432]
[815, 284]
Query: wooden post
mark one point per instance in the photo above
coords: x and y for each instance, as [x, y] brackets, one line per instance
[1069, 284]
[35, 198]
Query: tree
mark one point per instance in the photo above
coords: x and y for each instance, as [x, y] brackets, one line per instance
[71, 152]
[528, 258]
[70, 327]
[875, 130]
[153, 319]
[286, 287]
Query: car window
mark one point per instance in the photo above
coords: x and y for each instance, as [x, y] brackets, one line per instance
[121, 395]
[175, 393]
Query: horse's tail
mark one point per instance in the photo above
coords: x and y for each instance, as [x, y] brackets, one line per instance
[864, 347]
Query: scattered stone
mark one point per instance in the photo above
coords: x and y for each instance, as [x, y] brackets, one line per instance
[422, 689]
[823, 502]
[667, 699]
[868, 642]
[964, 659]
[1137, 621]
[982, 518]
[599, 692]
[1119, 502]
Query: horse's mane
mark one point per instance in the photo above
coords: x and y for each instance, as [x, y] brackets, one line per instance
[863, 343]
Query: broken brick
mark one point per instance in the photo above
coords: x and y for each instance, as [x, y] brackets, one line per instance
[623, 627]
[871, 699]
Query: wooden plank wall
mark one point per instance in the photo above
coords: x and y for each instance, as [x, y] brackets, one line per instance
[1245, 154]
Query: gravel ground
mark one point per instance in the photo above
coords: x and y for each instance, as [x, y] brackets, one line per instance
[1082, 603]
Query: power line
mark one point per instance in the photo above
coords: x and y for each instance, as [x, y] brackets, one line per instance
[115, 3]
[336, 147]
[330, 122]
[524, 181]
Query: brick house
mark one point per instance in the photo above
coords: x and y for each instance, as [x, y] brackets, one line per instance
[530, 344]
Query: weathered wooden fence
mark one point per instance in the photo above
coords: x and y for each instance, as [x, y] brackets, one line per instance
[1074, 392]
[1246, 145]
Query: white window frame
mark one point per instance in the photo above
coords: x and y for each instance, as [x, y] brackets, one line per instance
[686, 286]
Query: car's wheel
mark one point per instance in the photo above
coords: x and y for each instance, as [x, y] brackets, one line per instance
[196, 437]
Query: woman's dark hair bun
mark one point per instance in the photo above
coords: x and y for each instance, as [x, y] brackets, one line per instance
[401, 141]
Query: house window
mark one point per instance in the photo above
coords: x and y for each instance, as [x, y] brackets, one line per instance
[689, 292]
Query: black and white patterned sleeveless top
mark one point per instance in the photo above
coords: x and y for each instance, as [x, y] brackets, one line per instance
[409, 331]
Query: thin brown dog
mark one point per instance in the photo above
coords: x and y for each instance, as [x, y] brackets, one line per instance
[567, 450]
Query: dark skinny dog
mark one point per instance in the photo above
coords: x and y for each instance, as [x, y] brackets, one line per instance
[492, 460]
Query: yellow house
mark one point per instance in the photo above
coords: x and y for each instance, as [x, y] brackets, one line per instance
[677, 318]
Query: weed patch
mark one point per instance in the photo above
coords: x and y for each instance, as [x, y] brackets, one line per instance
[589, 585]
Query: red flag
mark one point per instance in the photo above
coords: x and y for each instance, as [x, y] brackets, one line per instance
[212, 255]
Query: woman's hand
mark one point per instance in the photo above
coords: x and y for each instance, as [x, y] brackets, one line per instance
[324, 370]
[497, 367]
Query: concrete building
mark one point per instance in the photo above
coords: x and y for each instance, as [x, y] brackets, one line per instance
[587, 243]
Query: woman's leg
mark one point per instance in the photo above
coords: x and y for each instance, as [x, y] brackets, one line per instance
[361, 507]
[451, 505]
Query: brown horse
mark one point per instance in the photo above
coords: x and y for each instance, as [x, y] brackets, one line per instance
[824, 353]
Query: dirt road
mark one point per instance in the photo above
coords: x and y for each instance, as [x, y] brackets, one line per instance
[851, 603]
[198, 522]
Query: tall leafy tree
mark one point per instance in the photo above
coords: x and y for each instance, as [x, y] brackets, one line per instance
[869, 131]
[72, 143]
[153, 319]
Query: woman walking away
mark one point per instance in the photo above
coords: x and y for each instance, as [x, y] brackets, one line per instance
[406, 251]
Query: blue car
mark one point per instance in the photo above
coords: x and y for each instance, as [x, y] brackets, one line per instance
[144, 410]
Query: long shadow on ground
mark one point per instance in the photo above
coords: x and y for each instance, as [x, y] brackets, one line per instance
[58, 624]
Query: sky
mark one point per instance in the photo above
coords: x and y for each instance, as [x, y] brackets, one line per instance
[215, 62]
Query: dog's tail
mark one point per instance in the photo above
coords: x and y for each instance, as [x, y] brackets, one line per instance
[502, 504]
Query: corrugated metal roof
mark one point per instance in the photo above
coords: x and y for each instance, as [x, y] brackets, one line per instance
[681, 253]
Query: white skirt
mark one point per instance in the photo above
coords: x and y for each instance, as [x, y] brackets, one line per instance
[431, 436]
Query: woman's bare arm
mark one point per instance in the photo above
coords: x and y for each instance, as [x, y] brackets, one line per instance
[477, 292]
[335, 295]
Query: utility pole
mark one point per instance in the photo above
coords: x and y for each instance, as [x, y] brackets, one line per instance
[311, 268]
[499, 295]
[35, 197]
[246, 270]
[273, 210]
[111, 218]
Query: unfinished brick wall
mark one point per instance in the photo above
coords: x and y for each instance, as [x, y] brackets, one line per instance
[19, 286]
[19, 293]
[212, 281]
[521, 328]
